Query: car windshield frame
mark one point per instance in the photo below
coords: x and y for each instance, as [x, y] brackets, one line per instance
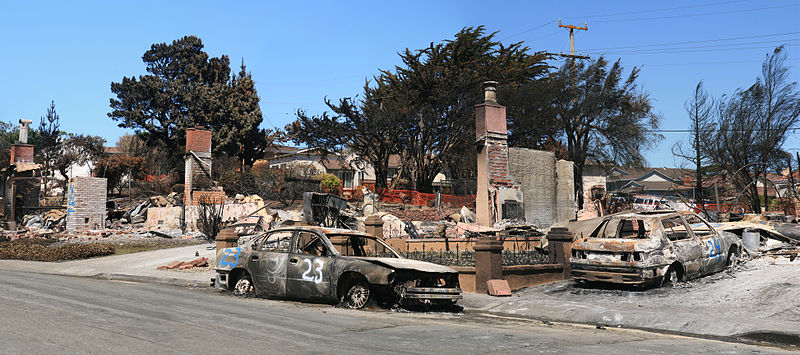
[372, 238]
[644, 228]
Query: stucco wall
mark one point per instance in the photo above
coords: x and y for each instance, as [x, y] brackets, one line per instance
[546, 184]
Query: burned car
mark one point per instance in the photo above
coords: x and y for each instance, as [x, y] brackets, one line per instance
[333, 265]
[645, 248]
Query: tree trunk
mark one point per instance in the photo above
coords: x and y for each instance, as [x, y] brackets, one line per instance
[578, 176]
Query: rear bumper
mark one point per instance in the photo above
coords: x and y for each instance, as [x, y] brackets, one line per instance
[629, 276]
[432, 293]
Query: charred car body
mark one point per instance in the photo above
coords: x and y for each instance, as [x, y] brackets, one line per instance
[651, 248]
[332, 265]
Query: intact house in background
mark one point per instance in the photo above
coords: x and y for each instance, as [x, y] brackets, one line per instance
[664, 182]
[350, 168]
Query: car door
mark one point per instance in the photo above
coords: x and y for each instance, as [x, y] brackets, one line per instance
[687, 248]
[267, 262]
[308, 273]
[713, 253]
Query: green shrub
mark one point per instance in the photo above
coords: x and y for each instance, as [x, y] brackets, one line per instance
[329, 182]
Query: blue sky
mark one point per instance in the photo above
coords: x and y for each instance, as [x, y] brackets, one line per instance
[299, 52]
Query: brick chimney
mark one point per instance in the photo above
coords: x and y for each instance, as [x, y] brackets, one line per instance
[21, 151]
[197, 174]
[497, 193]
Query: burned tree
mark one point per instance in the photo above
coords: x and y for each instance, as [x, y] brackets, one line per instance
[753, 126]
[700, 108]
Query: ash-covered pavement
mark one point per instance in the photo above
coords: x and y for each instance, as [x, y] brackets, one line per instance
[756, 300]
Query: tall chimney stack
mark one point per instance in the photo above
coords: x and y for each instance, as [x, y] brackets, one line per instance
[23, 130]
[497, 193]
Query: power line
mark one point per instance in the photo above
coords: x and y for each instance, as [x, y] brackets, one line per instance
[678, 50]
[703, 14]
[528, 30]
[698, 63]
[693, 42]
[665, 9]
[791, 129]
[545, 36]
[668, 49]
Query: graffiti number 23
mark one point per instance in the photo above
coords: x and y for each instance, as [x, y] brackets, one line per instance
[229, 252]
[314, 271]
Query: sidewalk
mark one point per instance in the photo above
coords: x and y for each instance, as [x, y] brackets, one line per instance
[757, 302]
[140, 267]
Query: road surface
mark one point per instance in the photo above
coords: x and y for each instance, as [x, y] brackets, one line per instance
[62, 314]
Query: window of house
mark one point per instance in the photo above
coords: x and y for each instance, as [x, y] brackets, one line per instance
[346, 177]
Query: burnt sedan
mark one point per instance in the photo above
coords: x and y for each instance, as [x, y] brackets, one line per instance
[652, 248]
[333, 265]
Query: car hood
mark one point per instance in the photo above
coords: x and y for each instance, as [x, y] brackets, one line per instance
[408, 264]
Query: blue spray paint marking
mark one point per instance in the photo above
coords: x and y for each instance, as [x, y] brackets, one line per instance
[228, 253]
[715, 251]
[71, 200]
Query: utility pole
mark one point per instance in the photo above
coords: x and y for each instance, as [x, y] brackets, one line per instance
[571, 29]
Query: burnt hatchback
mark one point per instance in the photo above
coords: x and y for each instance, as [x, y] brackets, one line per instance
[335, 266]
[652, 248]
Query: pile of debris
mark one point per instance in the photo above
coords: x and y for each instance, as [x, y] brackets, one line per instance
[184, 265]
[53, 220]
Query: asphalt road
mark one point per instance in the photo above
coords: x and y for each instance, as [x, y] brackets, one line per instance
[61, 314]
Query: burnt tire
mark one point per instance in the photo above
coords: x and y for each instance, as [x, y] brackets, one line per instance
[672, 276]
[357, 295]
[244, 286]
[732, 255]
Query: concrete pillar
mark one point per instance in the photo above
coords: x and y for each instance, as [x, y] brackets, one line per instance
[227, 238]
[374, 225]
[559, 241]
[488, 262]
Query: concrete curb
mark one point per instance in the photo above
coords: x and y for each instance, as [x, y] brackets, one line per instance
[152, 279]
[785, 341]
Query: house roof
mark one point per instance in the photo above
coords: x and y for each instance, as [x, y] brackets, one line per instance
[675, 174]
[335, 164]
[112, 150]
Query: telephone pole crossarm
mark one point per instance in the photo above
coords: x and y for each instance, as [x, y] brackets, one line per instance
[572, 37]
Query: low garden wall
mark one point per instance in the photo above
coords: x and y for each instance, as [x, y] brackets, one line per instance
[518, 276]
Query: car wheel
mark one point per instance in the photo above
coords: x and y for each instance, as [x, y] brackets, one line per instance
[732, 255]
[671, 277]
[244, 286]
[357, 295]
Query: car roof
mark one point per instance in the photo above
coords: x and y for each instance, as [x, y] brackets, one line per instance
[648, 214]
[324, 230]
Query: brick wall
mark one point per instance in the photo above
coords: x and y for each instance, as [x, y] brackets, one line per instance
[212, 196]
[21, 153]
[198, 140]
[86, 203]
[497, 150]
